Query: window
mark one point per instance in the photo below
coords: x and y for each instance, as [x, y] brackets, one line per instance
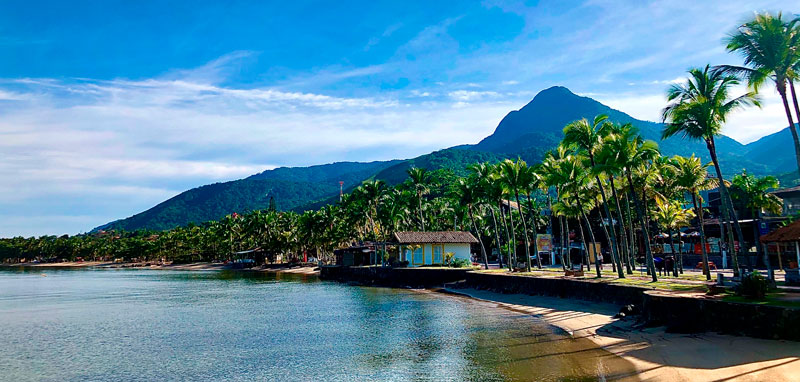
[419, 257]
[437, 254]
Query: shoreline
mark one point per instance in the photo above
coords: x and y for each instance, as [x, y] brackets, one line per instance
[205, 266]
[655, 353]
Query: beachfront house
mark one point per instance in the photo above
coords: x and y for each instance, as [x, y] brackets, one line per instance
[430, 248]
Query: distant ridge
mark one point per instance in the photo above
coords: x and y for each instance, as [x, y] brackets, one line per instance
[527, 133]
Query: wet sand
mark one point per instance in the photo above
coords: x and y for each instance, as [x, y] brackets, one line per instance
[655, 354]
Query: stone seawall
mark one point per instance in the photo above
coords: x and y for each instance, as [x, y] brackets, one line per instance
[679, 314]
[394, 277]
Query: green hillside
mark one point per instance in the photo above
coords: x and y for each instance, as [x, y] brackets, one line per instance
[527, 133]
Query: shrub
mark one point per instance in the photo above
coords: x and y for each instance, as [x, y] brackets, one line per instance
[460, 263]
[448, 257]
[753, 285]
[400, 264]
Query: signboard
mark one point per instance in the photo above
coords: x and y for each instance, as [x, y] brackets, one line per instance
[544, 242]
[763, 229]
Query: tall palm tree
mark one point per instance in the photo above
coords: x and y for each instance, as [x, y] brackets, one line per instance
[532, 183]
[769, 46]
[692, 177]
[468, 196]
[697, 110]
[753, 192]
[588, 139]
[576, 191]
[420, 179]
[492, 193]
[634, 156]
[513, 174]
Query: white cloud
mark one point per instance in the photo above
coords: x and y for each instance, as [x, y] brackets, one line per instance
[126, 145]
[744, 125]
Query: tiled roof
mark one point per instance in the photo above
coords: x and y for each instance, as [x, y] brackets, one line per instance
[786, 190]
[789, 233]
[413, 237]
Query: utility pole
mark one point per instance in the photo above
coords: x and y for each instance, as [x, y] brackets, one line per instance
[341, 184]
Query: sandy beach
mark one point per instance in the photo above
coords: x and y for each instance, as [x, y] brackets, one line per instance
[656, 354]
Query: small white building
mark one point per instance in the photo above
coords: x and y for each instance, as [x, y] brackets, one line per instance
[429, 248]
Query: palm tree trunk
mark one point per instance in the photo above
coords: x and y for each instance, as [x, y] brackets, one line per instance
[622, 232]
[645, 234]
[679, 259]
[726, 199]
[421, 219]
[524, 233]
[566, 242]
[632, 230]
[760, 248]
[726, 234]
[480, 239]
[782, 91]
[699, 211]
[597, 263]
[614, 247]
[497, 238]
[534, 228]
[550, 225]
[674, 258]
[508, 238]
[608, 237]
[583, 242]
[513, 234]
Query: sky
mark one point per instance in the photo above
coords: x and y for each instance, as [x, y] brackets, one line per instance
[110, 107]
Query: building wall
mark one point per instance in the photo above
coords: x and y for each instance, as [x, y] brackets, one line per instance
[434, 253]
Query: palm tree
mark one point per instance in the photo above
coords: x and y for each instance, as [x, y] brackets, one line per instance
[588, 139]
[753, 192]
[554, 175]
[513, 175]
[671, 216]
[420, 179]
[468, 196]
[697, 110]
[769, 45]
[580, 201]
[634, 156]
[532, 183]
[692, 177]
[492, 193]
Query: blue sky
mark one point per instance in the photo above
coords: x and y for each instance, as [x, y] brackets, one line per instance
[109, 107]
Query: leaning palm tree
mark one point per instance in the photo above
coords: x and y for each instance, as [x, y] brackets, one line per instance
[468, 196]
[513, 174]
[769, 46]
[753, 192]
[697, 110]
[692, 177]
[491, 193]
[588, 139]
[419, 179]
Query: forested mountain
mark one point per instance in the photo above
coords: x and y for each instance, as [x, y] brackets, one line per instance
[537, 127]
[527, 133]
[291, 188]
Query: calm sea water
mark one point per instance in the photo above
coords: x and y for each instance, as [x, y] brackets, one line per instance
[151, 325]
